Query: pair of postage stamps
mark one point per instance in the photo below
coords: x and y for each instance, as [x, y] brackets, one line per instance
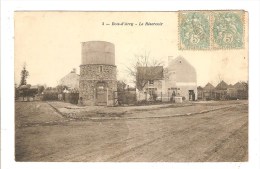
[203, 30]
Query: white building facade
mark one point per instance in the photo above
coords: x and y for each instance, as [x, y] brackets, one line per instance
[181, 79]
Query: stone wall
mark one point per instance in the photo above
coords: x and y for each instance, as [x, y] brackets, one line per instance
[92, 72]
[90, 75]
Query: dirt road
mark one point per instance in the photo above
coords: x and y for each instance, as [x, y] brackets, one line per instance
[42, 134]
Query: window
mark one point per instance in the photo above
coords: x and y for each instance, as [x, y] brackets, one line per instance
[151, 82]
[100, 68]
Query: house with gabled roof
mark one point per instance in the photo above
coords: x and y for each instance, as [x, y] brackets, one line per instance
[221, 91]
[181, 78]
[208, 92]
[241, 89]
[178, 79]
[209, 87]
[149, 82]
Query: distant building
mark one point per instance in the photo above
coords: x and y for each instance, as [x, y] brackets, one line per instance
[208, 92]
[71, 80]
[241, 89]
[200, 93]
[221, 91]
[231, 92]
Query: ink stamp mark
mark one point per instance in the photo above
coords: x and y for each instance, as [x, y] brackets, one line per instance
[228, 29]
[194, 30]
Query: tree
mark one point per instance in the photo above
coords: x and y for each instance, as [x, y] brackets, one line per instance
[245, 84]
[24, 76]
[121, 85]
[16, 91]
[141, 70]
[61, 88]
[40, 89]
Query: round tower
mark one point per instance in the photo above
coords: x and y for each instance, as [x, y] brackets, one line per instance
[97, 73]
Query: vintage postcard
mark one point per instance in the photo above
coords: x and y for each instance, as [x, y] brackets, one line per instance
[131, 86]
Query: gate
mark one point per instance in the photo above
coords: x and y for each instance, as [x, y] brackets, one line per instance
[101, 93]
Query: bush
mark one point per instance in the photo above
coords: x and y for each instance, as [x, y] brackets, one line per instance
[71, 97]
[126, 97]
[50, 96]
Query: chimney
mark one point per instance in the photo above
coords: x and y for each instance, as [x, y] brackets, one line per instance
[73, 70]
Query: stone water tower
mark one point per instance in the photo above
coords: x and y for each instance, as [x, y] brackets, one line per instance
[97, 73]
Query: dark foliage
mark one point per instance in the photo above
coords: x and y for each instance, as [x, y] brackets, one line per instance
[24, 75]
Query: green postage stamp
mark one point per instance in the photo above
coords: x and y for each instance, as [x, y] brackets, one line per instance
[228, 29]
[194, 30]
[202, 30]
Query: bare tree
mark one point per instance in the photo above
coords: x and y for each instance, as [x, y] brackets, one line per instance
[142, 69]
[219, 78]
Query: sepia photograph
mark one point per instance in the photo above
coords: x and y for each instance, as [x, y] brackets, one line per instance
[131, 86]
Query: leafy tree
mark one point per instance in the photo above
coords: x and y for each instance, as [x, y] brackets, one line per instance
[40, 89]
[16, 91]
[60, 88]
[24, 76]
[121, 85]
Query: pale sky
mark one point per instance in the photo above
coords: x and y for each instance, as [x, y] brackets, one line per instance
[50, 44]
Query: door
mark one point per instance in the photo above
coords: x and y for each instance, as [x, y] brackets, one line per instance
[101, 93]
[191, 95]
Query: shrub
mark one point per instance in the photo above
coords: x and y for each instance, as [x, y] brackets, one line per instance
[126, 97]
[50, 96]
